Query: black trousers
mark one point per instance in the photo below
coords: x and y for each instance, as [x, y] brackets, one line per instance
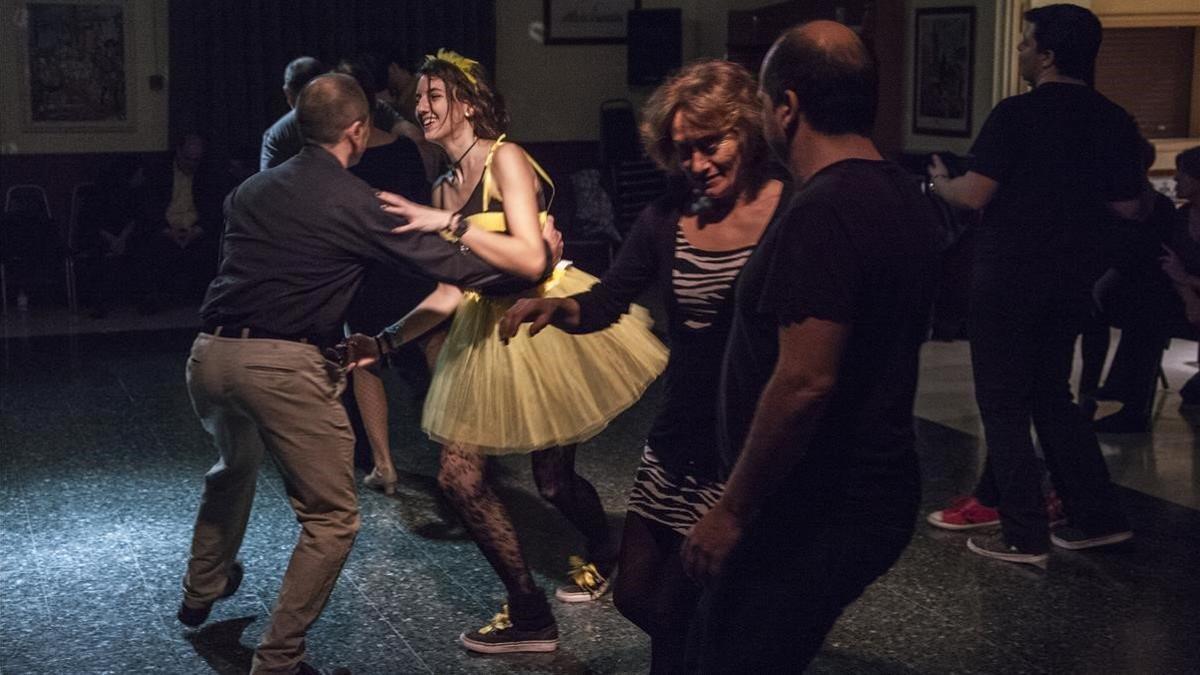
[1022, 349]
[794, 572]
[1149, 313]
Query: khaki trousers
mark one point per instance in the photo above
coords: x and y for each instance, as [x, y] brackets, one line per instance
[283, 397]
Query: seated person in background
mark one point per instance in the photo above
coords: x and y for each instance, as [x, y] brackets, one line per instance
[178, 254]
[1153, 296]
[1131, 250]
[282, 140]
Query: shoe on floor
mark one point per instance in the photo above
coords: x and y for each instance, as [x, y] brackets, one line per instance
[1121, 422]
[194, 616]
[1075, 539]
[964, 513]
[587, 583]
[993, 546]
[382, 482]
[500, 636]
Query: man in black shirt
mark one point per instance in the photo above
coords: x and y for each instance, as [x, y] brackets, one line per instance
[297, 241]
[820, 373]
[1050, 166]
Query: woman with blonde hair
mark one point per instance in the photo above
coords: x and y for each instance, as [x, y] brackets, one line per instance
[703, 126]
[493, 397]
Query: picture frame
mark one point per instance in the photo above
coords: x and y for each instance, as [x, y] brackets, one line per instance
[586, 22]
[944, 71]
[77, 66]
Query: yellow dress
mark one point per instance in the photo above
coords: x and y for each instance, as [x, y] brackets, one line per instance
[534, 393]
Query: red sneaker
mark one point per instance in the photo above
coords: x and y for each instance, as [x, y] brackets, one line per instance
[965, 513]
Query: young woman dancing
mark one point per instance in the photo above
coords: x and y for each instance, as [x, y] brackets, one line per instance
[702, 125]
[517, 396]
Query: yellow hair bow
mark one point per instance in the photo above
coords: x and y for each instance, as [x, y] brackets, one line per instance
[457, 60]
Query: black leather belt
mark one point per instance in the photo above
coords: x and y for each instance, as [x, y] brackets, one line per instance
[256, 333]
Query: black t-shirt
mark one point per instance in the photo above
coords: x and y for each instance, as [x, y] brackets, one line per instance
[857, 247]
[1059, 153]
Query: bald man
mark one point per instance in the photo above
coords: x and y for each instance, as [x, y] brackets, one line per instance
[820, 373]
[298, 238]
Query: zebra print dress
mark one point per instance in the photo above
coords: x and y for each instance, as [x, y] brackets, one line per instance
[702, 282]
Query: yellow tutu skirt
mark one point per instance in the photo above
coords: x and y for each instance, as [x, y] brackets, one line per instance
[536, 392]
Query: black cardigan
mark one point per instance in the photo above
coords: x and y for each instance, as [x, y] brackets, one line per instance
[684, 432]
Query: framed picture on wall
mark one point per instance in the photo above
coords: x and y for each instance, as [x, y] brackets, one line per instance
[944, 62]
[586, 22]
[77, 64]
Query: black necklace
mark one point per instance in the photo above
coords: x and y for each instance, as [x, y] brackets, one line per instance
[457, 164]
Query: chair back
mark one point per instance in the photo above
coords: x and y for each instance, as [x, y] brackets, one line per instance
[27, 200]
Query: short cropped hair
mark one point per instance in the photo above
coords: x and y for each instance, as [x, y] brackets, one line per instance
[328, 105]
[300, 72]
[836, 87]
[1188, 162]
[718, 96]
[1073, 33]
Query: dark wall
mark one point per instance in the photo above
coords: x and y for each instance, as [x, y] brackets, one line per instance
[227, 59]
[227, 56]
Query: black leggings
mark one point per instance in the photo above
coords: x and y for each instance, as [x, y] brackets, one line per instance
[462, 479]
[653, 592]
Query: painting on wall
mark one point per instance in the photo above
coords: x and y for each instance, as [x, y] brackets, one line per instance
[77, 66]
[944, 62]
[586, 22]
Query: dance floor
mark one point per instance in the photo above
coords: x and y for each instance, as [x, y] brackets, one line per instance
[102, 460]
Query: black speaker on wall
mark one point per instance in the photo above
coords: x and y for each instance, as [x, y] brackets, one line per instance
[655, 44]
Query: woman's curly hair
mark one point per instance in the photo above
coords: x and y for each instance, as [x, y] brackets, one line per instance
[718, 96]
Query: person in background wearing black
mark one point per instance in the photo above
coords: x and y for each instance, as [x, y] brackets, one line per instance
[178, 254]
[393, 108]
[282, 140]
[1181, 257]
[704, 124]
[815, 415]
[1051, 166]
[390, 163]
[1138, 297]
[297, 242]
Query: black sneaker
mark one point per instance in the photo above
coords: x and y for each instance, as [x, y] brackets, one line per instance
[500, 636]
[1075, 539]
[194, 616]
[993, 546]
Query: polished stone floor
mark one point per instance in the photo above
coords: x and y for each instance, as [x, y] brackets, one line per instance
[101, 461]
